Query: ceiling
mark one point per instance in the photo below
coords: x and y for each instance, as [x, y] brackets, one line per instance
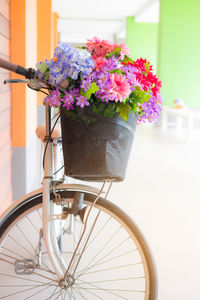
[80, 20]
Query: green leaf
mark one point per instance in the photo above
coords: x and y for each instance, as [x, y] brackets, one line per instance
[116, 52]
[140, 96]
[127, 58]
[94, 88]
[98, 108]
[123, 111]
[42, 67]
[110, 111]
[82, 47]
[147, 66]
[118, 71]
[46, 76]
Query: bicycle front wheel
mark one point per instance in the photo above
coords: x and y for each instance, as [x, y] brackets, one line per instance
[112, 262]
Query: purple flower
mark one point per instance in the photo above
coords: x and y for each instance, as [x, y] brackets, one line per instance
[54, 98]
[111, 64]
[151, 109]
[68, 101]
[86, 83]
[82, 101]
[68, 62]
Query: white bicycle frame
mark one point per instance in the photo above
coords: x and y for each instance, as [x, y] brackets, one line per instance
[48, 206]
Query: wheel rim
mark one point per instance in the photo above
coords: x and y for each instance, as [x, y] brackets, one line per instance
[112, 267]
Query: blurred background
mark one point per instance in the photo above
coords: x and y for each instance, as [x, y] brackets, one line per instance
[161, 190]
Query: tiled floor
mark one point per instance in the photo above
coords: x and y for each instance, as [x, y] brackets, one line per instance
[162, 194]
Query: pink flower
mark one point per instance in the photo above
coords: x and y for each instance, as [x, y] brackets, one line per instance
[100, 62]
[124, 50]
[120, 88]
[99, 47]
[91, 44]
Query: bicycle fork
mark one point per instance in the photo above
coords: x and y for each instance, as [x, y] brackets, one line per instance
[50, 239]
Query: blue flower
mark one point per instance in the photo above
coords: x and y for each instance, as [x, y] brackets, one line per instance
[68, 62]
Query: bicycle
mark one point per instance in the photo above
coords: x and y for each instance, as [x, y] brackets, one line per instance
[66, 241]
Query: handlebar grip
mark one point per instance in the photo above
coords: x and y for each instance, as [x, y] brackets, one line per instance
[28, 73]
[8, 65]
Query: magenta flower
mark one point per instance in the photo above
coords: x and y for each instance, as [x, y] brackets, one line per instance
[68, 101]
[54, 98]
[74, 92]
[82, 101]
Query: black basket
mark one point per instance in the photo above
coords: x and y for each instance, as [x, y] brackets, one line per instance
[99, 150]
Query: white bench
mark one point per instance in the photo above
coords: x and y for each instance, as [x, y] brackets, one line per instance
[183, 118]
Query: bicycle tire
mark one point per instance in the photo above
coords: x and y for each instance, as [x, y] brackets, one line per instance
[33, 203]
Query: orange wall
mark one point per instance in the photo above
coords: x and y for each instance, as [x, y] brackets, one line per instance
[18, 56]
[44, 33]
[55, 30]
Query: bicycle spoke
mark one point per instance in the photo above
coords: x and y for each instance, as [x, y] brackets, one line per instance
[22, 291]
[100, 260]
[20, 245]
[65, 293]
[84, 271]
[27, 217]
[79, 292]
[118, 279]
[111, 289]
[72, 294]
[14, 253]
[39, 215]
[62, 295]
[20, 230]
[113, 268]
[113, 249]
[101, 229]
[101, 249]
[57, 293]
[54, 293]
[23, 278]
[38, 292]
[89, 292]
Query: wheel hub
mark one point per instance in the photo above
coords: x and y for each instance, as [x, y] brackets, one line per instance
[68, 282]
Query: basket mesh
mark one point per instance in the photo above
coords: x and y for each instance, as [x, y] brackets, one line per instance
[99, 150]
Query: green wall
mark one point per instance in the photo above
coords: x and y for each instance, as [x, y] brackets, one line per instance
[142, 39]
[179, 51]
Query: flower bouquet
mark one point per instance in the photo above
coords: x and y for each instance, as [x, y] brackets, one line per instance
[102, 94]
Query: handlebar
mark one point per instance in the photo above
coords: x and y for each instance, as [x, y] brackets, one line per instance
[28, 73]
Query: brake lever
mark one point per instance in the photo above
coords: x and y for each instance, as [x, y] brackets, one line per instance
[16, 81]
[34, 84]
